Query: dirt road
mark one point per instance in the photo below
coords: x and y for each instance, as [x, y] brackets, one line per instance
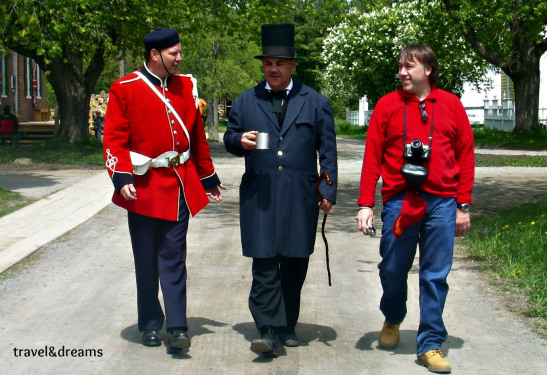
[75, 299]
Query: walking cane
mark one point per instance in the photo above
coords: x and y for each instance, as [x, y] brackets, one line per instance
[327, 179]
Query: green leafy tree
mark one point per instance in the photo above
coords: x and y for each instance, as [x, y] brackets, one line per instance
[70, 40]
[366, 6]
[115, 67]
[241, 21]
[361, 52]
[225, 68]
[224, 63]
[219, 45]
[512, 35]
[312, 19]
[78, 43]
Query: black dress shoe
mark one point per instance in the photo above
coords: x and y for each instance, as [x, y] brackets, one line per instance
[267, 343]
[178, 338]
[151, 337]
[289, 338]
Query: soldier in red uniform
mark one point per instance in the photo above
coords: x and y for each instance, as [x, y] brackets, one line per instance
[158, 158]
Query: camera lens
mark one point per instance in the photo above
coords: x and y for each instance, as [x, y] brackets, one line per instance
[416, 144]
[417, 148]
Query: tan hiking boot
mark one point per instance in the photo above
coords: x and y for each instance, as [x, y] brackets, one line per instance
[434, 361]
[389, 337]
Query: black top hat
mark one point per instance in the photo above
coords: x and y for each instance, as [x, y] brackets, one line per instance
[161, 38]
[277, 41]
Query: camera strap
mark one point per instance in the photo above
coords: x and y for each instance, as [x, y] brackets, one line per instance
[430, 133]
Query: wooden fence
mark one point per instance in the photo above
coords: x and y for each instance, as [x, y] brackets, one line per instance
[499, 115]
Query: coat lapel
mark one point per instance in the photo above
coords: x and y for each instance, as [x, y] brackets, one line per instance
[296, 101]
[265, 104]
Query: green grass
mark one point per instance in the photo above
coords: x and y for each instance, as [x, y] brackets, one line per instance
[86, 151]
[485, 137]
[345, 130]
[222, 126]
[511, 160]
[512, 243]
[11, 201]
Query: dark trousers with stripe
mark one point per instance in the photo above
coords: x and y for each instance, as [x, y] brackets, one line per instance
[274, 299]
[159, 251]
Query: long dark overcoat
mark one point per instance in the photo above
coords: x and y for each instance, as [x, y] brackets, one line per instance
[278, 199]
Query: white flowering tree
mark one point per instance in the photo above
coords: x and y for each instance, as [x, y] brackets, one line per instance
[361, 53]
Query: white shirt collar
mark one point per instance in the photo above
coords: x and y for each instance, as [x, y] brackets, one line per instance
[288, 88]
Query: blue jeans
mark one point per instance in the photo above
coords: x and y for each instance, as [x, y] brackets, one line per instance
[435, 236]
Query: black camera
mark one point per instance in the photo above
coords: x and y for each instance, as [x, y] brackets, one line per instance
[416, 151]
[414, 172]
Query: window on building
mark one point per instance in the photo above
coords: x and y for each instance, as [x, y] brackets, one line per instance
[4, 76]
[33, 80]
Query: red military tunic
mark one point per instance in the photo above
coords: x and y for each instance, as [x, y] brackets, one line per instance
[137, 120]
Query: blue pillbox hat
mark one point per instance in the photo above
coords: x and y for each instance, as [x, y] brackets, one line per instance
[161, 38]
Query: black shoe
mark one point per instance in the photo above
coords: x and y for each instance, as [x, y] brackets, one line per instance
[267, 343]
[178, 338]
[288, 337]
[151, 337]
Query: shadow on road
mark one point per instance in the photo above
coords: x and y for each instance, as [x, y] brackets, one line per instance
[406, 344]
[24, 181]
[197, 328]
[306, 332]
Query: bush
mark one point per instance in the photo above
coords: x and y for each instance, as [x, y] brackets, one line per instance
[346, 130]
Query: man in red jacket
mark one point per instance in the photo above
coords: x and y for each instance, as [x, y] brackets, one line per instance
[420, 142]
[159, 161]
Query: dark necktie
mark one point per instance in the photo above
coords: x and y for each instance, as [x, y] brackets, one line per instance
[277, 98]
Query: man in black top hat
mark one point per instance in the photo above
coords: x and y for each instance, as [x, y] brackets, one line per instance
[279, 206]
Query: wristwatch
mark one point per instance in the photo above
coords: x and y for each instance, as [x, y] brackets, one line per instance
[465, 207]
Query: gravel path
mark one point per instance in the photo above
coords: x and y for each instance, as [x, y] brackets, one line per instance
[78, 293]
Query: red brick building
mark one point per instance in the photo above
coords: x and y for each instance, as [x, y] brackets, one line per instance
[22, 87]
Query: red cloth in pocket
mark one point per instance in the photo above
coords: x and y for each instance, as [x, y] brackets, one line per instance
[412, 212]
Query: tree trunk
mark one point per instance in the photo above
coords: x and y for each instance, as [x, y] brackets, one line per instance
[525, 75]
[212, 119]
[73, 99]
[73, 89]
